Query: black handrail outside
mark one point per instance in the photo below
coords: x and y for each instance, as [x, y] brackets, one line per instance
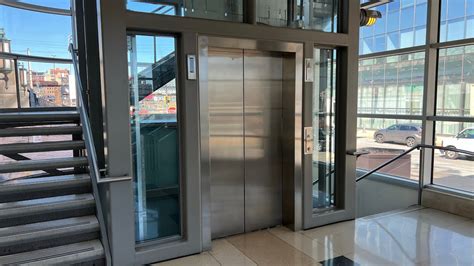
[91, 155]
[417, 147]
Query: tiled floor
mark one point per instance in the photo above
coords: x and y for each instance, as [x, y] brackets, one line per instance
[416, 236]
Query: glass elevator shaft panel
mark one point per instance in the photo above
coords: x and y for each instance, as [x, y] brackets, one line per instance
[245, 139]
[155, 137]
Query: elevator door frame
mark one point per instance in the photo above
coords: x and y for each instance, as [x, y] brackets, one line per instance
[294, 219]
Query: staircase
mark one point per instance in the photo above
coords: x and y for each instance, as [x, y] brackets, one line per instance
[49, 216]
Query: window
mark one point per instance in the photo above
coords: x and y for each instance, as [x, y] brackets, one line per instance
[324, 117]
[454, 169]
[393, 85]
[42, 83]
[455, 82]
[216, 10]
[403, 25]
[456, 20]
[386, 139]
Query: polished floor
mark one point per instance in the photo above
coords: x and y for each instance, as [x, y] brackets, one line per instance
[415, 236]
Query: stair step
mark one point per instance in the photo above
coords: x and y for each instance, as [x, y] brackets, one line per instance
[10, 119]
[32, 188]
[42, 146]
[40, 131]
[46, 209]
[63, 116]
[48, 234]
[85, 253]
[32, 165]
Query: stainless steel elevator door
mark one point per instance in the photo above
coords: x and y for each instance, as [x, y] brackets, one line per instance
[262, 139]
[245, 125]
[226, 142]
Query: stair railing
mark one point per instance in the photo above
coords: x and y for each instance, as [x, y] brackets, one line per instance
[91, 154]
[396, 158]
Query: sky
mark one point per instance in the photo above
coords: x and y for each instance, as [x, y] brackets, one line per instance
[44, 34]
[48, 35]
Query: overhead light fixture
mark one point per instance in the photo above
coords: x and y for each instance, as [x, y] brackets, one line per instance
[369, 17]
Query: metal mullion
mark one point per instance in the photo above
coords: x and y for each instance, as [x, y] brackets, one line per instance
[17, 83]
[430, 90]
[455, 43]
[31, 58]
[409, 50]
[461, 119]
[390, 116]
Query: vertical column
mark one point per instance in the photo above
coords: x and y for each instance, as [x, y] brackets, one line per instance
[113, 59]
[429, 95]
[346, 108]
[250, 11]
[93, 78]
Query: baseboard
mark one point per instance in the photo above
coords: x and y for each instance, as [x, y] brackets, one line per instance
[447, 202]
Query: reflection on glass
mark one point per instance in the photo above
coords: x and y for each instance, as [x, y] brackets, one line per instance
[324, 102]
[453, 169]
[455, 95]
[392, 85]
[153, 111]
[230, 10]
[403, 25]
[314, 14]
[457, 20]
[386, 139]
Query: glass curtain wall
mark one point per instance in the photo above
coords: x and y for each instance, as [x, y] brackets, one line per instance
[391, 91]
[227, 10]
[155, 137]
[318, 15]
[27, 83]
[306, 14]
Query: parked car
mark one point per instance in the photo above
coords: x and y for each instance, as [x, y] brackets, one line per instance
[463, 140]
[408, 134]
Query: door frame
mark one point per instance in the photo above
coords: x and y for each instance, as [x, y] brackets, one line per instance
[204, 42]
[345, 139]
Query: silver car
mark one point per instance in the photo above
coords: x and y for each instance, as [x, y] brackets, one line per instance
[408, 134]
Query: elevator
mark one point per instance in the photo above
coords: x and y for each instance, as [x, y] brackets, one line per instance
[248, 117]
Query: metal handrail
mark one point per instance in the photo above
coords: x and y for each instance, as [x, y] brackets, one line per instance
[417, 147]
[34, 58]
[91, 154]
[36, 8]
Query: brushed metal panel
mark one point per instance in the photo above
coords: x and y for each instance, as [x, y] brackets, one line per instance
[263, 126]
[226, 141]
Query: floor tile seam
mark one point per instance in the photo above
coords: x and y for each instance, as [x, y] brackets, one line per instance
[310, 239]
[291, 246]
[402, 211]
[212, 256]
[241, 252]
[321, 241]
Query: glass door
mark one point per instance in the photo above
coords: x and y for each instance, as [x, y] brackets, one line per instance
[326, 189]
[155, 136]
